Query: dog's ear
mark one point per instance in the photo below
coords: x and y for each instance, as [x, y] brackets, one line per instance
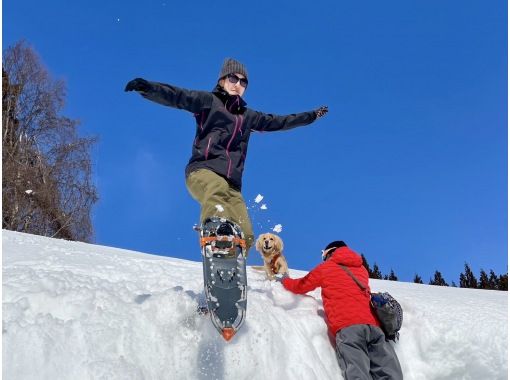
[258, 244]
[279, 243]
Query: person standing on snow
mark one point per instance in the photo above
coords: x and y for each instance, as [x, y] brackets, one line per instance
[361, 348]
[224, 123]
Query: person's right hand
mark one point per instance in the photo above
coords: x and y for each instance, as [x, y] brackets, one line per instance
[137, 84]
[280, 277]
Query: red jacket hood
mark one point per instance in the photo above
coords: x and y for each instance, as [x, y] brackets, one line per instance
[345, 256]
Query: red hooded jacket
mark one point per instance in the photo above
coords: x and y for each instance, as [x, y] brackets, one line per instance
[345, 304]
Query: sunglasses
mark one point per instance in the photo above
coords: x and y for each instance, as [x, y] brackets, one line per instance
[327, 252]
[232, 78]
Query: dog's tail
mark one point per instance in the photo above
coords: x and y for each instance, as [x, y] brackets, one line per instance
[258, 267]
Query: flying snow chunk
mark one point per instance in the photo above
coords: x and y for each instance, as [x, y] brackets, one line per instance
[220, 208]
[29, 192]
[259, 198]
[263, 207]
[278, 228]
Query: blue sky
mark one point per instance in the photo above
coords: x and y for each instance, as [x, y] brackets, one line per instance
[409, 167]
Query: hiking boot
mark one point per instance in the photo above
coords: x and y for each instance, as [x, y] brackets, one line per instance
[225, 229]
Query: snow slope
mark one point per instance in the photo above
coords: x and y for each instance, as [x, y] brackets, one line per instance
[80, 311]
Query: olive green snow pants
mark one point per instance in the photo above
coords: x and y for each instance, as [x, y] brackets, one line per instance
[218, 198]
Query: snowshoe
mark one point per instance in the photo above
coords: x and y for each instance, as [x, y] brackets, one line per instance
[224, 265]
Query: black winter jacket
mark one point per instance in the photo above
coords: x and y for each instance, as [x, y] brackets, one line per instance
[224, 125]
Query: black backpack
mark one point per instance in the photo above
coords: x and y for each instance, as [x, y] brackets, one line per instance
[388, 310]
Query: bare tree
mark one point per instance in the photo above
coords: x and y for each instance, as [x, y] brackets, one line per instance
[46, 184]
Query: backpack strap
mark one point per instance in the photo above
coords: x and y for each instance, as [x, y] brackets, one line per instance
[347, 270]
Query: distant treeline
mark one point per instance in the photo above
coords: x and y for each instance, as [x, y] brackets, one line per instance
[466, 279]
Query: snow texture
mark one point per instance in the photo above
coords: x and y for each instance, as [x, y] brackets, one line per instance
[278, 228]
[79, 311]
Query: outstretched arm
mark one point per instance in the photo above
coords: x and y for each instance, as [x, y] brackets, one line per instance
[269, 122]
[169, 95]
[305, 284]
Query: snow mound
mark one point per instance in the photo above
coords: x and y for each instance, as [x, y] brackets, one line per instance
[81, 311]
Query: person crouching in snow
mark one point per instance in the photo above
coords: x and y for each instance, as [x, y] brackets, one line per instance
[361, 348]
[223, 127]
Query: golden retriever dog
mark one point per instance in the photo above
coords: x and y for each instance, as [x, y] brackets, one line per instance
[270, 247]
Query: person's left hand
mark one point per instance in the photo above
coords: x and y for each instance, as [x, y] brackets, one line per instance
[320, 112]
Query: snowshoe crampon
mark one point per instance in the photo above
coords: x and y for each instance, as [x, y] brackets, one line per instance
[224, 264]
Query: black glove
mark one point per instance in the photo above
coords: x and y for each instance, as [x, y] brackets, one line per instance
[138, 84]
[320, 112]
[280, 277]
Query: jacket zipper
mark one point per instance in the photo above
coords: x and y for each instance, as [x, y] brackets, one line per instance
[239, 122]
[207, 149]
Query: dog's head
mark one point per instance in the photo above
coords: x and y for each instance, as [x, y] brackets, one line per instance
[269, 244]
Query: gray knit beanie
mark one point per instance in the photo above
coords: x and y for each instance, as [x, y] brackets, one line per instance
[231, 66]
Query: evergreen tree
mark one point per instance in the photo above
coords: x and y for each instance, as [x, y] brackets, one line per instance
[493, 280]
[462, 280]
[453, 285]
[392, 276]
[365, 264]
[438, 279]
[484, 280]
[468, 279]
[417, 279]
[376, 272]
[503, 282]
